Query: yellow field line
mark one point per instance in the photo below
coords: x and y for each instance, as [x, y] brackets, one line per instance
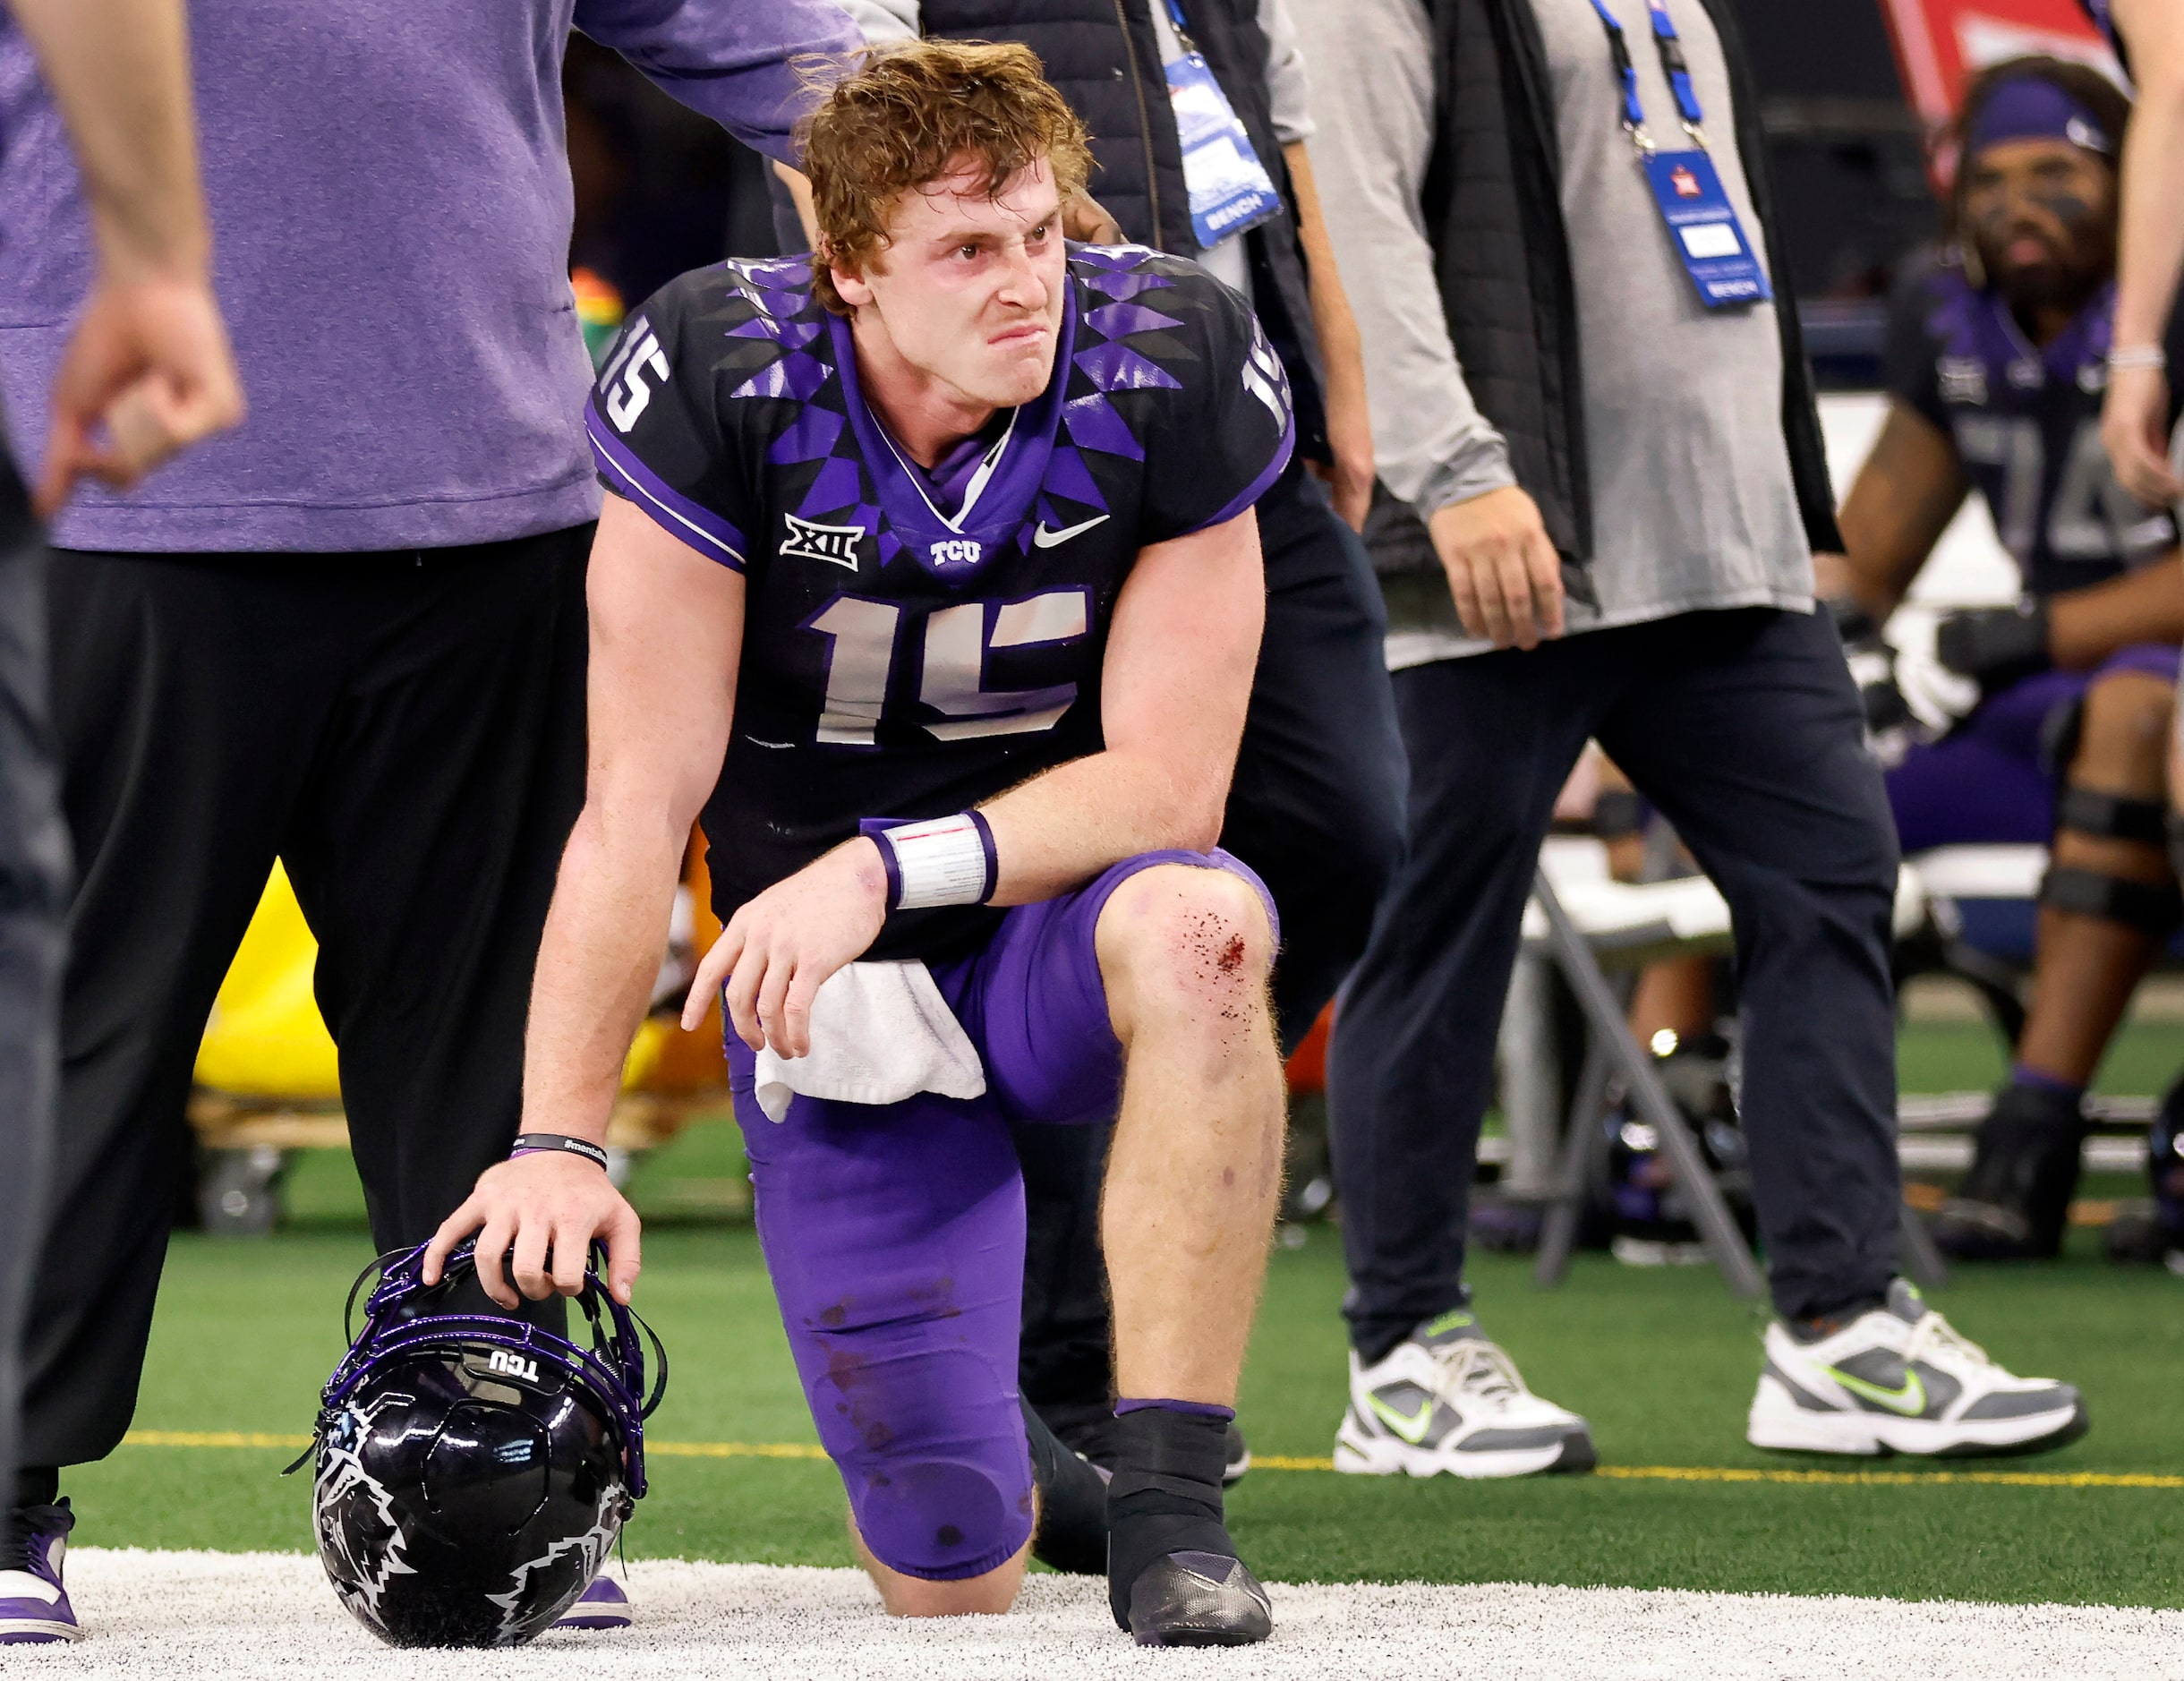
[1282, 1462]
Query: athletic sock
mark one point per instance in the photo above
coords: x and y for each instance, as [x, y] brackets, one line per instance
[1821, 1325]
[1166, 1493]
[1072, 1532]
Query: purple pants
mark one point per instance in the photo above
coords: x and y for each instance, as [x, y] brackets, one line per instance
[1984, 782]
[894, 1234]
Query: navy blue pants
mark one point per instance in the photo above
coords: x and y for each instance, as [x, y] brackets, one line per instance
[1744, 729]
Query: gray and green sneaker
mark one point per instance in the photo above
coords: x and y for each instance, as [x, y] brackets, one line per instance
[1448, 1399]
[1898, 1379]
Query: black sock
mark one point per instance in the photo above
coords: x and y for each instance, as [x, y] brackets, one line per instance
[1165, 1496]
[1072, 1532]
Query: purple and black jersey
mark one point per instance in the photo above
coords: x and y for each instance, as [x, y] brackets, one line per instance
[915, 643]
[2026, 425]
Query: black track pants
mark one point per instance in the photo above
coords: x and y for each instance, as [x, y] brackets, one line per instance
[33, 893]
[1744, 729]
[405, 732]
[1316, 808]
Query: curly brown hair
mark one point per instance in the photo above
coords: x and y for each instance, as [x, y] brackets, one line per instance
[913, 113]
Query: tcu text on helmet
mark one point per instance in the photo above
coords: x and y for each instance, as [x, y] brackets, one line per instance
[513, 1365]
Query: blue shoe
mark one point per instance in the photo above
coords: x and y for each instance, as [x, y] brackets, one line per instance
[603, 1605]
[34, 1608]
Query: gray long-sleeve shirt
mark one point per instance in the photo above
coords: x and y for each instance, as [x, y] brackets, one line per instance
[391, 203]
[1693, 505]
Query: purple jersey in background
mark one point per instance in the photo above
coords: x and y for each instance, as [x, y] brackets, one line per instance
[391, 203]
[2026, 420]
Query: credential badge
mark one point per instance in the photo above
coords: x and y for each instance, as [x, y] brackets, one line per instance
[810, 542]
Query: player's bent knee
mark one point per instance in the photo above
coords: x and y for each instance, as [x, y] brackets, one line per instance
[1183, 938]
[947, 1537]
[2124, 728]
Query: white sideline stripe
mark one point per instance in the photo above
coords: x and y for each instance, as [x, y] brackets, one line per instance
[181, 1615]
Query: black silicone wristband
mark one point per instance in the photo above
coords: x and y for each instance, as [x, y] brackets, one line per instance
[531, 1141]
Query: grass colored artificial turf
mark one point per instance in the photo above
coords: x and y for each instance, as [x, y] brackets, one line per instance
[1662, 1362]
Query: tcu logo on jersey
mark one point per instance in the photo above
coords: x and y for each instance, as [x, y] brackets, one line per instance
[958, 551]
[640, 351]
[513, 1365]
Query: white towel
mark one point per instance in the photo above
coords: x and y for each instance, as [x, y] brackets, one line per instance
[881, 1032]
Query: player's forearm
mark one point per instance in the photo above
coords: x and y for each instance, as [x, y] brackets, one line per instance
[1059, 831]
[1342, 348]
[2085, 627]
[2150, 254]
[120, 72]
[596, 966]
[1902, 501]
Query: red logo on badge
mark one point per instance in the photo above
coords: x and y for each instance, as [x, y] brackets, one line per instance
[1685, 183]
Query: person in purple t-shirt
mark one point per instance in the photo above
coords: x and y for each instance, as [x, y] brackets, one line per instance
[350, 634]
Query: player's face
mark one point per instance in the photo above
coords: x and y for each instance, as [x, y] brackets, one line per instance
[970, 287]
[2042, 213]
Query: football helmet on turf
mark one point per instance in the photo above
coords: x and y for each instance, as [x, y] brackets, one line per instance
[473, 1472]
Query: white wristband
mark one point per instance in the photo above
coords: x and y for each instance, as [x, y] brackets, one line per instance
[938, 861]
[2132, 358]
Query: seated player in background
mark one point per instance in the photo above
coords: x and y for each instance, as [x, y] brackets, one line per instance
[952, 523]
[2048, 719]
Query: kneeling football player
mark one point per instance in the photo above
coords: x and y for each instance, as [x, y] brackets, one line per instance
[930, 573]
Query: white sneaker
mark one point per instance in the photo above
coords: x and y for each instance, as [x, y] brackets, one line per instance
[1897, 1379]
[1449, 1400]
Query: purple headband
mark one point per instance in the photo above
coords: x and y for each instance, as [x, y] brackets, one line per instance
[2032, 107]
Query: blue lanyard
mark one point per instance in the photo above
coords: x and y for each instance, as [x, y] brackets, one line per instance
[1182, 30]
[1670, 47]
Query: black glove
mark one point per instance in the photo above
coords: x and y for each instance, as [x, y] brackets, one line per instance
[1995, 645]
[1873, 668]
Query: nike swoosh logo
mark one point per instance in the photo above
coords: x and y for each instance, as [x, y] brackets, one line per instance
[1910, 1399]
[1410, 1426]
[1042, 538]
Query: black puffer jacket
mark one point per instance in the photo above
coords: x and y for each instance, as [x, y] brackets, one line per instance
[1493, 210]
[1104, 58]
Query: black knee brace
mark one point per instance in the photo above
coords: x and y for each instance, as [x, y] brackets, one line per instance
[2176, 842]
[2152, 906]
[2112, 816]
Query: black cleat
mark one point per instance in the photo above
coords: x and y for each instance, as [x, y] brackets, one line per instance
[1193, 1598]
[2016, 1198]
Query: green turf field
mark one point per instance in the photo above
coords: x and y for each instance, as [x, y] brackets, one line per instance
[1661, 1362]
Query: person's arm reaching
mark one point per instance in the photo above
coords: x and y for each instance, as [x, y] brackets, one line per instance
[755, 69]
[667, 632]
[1341, 351]
[2150, 254]
[1175, 679]
[150, 360]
